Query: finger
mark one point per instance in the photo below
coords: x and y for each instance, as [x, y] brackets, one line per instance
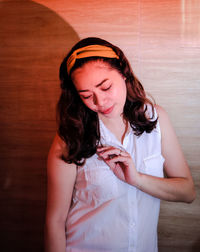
[123, 153]
[121, 159]
[108, 148]
[109, 153]
[103, 148]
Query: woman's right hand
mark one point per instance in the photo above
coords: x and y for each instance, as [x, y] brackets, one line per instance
[120, 162]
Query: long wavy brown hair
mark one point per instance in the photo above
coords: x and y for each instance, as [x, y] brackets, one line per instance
[78, 126]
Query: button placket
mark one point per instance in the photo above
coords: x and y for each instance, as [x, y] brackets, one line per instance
[132, 200]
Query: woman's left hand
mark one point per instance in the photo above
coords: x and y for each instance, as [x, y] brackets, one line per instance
[120, 162]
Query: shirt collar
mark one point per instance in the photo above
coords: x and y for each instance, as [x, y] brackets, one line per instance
[108, 138]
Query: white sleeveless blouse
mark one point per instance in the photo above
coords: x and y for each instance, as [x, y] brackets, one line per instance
[108, 214]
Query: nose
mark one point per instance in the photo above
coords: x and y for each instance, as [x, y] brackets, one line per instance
[99, 100]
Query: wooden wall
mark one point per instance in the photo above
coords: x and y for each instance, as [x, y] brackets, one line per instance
[33, 41]
[161, 38]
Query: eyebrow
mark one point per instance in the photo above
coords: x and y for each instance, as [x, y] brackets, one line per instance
[98, 85]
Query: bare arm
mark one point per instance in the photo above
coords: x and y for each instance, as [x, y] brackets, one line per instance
[178, 186]
[61, 179]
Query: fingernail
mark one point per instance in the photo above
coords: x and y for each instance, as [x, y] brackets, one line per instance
[100, 152]
[112, 156]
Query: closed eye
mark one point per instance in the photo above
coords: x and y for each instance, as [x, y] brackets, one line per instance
[86, 97]
[105, 89]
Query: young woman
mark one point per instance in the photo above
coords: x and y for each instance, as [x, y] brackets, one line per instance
[105, 166]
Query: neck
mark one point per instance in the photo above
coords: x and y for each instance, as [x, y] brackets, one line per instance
[118, 126]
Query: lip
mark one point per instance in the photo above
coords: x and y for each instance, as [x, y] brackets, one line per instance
[107, 111]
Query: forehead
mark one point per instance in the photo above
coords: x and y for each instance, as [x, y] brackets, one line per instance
[91, 73]
[96, 64]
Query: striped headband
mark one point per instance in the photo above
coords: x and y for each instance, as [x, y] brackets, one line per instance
[90, 51]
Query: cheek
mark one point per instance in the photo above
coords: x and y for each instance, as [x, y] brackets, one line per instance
[123, 91]
[120, 93]
[89, 103]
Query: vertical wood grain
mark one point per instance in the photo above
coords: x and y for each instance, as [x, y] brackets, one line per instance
[33, 41]
[162, 41]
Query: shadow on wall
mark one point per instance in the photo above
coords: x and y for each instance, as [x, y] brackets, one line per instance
[33, 42]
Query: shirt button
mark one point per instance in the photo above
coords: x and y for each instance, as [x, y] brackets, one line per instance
[132, 224]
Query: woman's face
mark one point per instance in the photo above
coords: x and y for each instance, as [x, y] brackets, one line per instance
[101, 88]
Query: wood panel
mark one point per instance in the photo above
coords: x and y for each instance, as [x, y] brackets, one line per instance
[162, 42]
[33, 41]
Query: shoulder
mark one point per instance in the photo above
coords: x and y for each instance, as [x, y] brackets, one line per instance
[163, 117]
[166, 127]
[54, 160]
[61, 175]
[160, 111]
[157, 112]
[152, 112]
[61, 178]
[58, 146]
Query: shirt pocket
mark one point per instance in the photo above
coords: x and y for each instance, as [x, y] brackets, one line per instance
[153, 165]
[102, 184]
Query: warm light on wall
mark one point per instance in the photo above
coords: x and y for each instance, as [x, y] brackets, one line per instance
[190, 25]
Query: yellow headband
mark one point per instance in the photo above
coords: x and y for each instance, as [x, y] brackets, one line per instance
[90, 51]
